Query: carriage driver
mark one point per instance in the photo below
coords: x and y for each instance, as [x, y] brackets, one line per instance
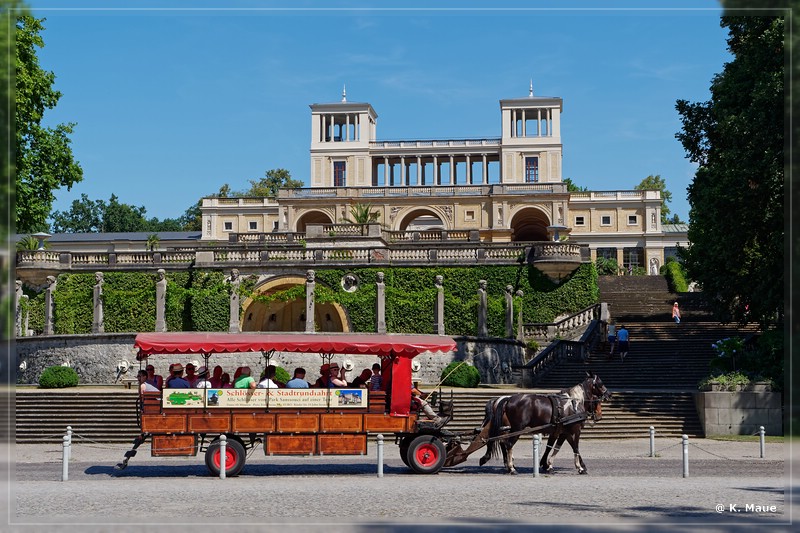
[424, 406]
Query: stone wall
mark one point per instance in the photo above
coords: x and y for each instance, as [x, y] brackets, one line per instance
[95, 358]
[740, 413]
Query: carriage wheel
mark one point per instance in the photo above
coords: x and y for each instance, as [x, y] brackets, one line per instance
[426, 454]
[234, 458]
[404, 444]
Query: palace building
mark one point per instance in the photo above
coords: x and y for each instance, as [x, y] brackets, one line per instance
[496, 190]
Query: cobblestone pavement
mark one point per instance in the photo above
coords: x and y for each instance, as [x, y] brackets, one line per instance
[626, 489]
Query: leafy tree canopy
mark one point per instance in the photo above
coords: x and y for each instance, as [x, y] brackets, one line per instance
[571, 187]
[44, 160]
[362, 214]
[96, 216]
[267, 186]
[657, 183]
[736, 218]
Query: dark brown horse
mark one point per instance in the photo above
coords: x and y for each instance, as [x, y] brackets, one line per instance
[563, 416]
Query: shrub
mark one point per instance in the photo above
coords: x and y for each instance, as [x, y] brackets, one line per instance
[606, 266]
[464, 375]
[676, 276]
[281, 375]
[58, 377]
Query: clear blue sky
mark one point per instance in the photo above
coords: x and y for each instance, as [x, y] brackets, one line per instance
[171, 104]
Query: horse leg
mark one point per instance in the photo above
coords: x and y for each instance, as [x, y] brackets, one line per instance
[508, 456]
[574, 442]
[546, 460]
[559, 438]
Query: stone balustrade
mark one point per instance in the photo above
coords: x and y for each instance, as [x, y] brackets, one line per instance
[565, 328]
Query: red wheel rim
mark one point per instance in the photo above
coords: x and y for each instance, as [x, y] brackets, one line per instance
[426, 455]
[230, 458]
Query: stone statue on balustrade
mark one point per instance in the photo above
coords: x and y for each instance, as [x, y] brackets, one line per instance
[233, 323]
[98, 322]
[483, 325]
[161, 299]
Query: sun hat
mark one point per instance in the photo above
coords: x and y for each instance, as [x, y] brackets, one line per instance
[202, 371]
[177, 367]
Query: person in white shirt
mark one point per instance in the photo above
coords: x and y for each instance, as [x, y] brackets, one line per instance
[267, 382]
[144, 386]
[202, 379]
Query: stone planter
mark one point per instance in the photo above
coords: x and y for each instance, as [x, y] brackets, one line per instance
[741, 412]
[756, 386]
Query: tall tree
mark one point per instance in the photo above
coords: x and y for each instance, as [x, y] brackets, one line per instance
[657, 183]
[84, 216]
[571, 187]
[44, 160]
[272, 181]
[736, 217]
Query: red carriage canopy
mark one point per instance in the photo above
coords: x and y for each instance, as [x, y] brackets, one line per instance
[400, 348]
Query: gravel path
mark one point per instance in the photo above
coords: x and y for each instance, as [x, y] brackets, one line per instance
[625, 488]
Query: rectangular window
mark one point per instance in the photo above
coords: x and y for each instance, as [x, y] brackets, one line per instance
[607, 253]
[632, 257]
[580, 221]
[605, 220]
[469, 215]
[253, 225]
[339, 173]
[274, 225]
[632, 220]
[531, 170]
[228, 226]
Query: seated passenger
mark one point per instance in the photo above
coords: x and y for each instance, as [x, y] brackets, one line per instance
[299, 379]
[336, 376]
[202, 379]
[362, 379]
[176, 381]
[191, 377]
[154, 379]
[216, 378]
[225, 381]
[419, 403]
[322, 380]
[245, 381]
[267, 382]
[376, 380]
[144, 386]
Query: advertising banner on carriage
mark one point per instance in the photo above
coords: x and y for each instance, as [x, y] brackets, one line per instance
[278, 398]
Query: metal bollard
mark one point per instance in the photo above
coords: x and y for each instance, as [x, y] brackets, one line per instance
[537, 441]
[761, 440]
[380, 454]
[685, 439]
[65, 459]
[652, 441]
[223, 452]
[69, 450]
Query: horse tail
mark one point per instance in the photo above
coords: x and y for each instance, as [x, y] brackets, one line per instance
[496, 423]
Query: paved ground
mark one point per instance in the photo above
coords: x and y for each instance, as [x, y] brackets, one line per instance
[625, 489]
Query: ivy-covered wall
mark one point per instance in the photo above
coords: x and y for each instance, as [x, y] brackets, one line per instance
[199, 300]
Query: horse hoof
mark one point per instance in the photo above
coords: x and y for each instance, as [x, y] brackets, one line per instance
[513, 472]
[583, 472]
[483, 461]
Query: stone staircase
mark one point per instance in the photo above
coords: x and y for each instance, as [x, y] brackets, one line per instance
[637, 298]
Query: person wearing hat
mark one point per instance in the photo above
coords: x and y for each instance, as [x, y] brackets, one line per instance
[202, 379]
[676, 313]
[322, 380]
[336, 376]
[176, 380]
[245, 380]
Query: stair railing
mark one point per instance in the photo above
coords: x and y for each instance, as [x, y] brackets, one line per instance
[559, 350]
[565, 327]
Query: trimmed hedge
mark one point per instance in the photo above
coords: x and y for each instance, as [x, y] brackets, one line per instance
[199, 300]
[463, 375]
[675, 274]
[58, 377]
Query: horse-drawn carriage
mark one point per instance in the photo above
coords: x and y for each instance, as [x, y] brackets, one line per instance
[326, 421]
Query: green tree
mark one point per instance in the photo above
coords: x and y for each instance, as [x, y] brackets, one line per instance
[272, 181]
[736, 218]
[657, 183]
[192, 218]
[44, 160]
[362, 214]
[571, 187]
[84, 216]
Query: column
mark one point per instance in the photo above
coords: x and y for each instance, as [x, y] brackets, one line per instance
[161, 293]
[310, 285]
[469, 171]
[538, 122]
[419, 171]
[439, 314]
[385, 171]
[485, 170]
[452, 171]
[509, 311]
[483, 327]
[49, 306]
[403, 177]
[436, 171]
[98, 325]
[233, 322]
[380, 303]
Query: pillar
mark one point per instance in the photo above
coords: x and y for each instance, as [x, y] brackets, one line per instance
[380, 304]
[483, 327]
[49, 306]
[98, 324]
[509, 311]
[520, 328]
[233, 322]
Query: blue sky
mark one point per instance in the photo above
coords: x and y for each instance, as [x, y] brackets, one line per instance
[171, 104]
